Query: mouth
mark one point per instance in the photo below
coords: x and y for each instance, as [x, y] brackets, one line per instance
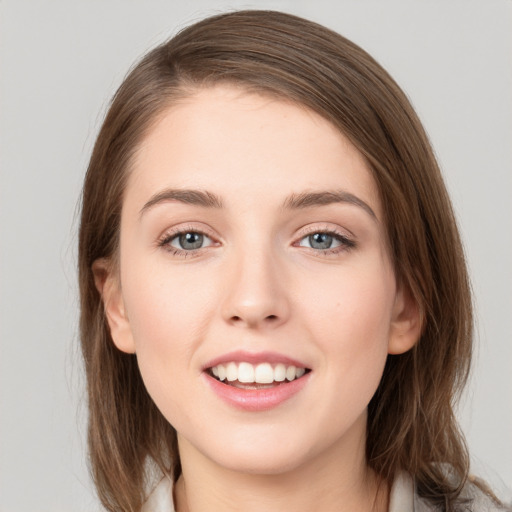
[245, 375]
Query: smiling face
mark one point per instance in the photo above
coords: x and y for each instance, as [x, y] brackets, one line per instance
[255, 284]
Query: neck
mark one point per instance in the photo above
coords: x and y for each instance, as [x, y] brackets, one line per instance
[330, 481]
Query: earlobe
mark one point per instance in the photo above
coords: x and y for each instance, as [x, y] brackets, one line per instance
[406, 323]
[108, 285]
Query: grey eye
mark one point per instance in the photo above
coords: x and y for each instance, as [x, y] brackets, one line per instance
[320, 241]
[190, 241]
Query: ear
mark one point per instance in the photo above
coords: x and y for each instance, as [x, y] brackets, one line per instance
[406, 322]
[108, 285]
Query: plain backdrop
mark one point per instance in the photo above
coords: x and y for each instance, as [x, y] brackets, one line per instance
[60, 63]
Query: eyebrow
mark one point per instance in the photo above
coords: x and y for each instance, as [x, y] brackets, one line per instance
[194, 197]
[300, 201]
[325, 197]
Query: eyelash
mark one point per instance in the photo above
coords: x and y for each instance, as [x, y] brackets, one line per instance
[346, 244]
[169, 236]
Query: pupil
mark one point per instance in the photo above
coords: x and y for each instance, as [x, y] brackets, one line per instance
[320, 240]
[191, 240]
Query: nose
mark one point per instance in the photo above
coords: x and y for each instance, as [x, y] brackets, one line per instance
[256, 296]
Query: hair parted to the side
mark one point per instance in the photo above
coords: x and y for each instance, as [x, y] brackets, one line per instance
[411, 424]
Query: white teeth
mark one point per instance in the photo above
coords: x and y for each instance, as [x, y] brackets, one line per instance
[280, 372]
[290, 372]
[231, 372]
[245, 372]
[263, 373]
[222, 372]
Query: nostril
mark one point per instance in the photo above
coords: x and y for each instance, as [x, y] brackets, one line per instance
[241, 319]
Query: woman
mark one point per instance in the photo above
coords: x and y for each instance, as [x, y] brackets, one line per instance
[275, 305]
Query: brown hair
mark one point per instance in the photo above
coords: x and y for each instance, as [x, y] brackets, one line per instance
[411, 424]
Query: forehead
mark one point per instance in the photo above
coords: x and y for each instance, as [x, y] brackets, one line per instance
[231, 141]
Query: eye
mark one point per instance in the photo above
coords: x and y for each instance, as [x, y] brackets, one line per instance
[326, 242]
[189, 241]
[319, 241]
[185, 242]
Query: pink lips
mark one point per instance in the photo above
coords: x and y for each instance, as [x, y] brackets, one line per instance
[255, 399]
[253, 358]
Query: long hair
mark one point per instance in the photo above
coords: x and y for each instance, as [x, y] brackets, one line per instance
[411, 424]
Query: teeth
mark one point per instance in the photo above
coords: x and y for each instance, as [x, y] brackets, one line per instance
[245, 372]
[231, 372]
[222, 372]
[280, 372]
[290, 372]
[263, 373]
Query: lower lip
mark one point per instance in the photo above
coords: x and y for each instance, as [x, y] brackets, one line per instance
[256, 399]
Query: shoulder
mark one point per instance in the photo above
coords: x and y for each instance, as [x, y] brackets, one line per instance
[481, 498]
[160, 499]
[473, 498]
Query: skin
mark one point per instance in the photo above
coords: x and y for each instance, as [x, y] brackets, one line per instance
[258, 284]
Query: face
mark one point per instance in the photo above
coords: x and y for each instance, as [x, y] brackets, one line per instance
[254, 284]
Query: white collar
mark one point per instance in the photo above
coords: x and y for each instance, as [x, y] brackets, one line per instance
[401, 497]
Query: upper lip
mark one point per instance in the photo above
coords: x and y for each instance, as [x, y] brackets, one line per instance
[239, 356]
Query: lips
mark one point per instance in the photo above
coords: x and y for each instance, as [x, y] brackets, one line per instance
[255, 382]
[234, 373]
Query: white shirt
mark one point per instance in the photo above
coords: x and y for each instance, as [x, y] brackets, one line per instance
[402, 498]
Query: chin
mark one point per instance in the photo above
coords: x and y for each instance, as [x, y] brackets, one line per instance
[263, 454]
[261, 463]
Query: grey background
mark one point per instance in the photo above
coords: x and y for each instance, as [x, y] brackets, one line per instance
[60, 63]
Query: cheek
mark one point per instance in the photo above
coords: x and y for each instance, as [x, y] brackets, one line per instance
[168, 316]
[355, 303]
[163, 305]
[350, 318]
